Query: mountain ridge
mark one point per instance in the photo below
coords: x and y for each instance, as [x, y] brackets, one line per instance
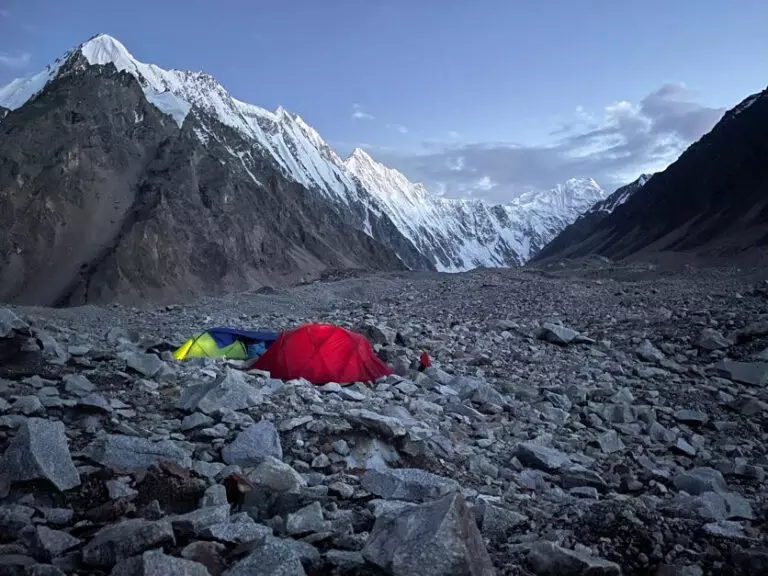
[260, 150]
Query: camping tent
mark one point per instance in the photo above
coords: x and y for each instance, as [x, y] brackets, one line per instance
[226, 342]
[322, 353]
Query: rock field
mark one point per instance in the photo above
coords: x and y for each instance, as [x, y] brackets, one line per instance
[602, 420]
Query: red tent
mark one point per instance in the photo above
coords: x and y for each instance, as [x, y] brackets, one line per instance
[322, 353]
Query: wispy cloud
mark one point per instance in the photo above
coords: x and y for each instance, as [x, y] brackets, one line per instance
[20, 60]
[358, 113]
[399, 127]
[613, 146]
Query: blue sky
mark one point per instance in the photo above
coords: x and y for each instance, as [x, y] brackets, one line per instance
[484, 97]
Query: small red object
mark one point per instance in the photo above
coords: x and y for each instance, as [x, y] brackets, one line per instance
[425, 360]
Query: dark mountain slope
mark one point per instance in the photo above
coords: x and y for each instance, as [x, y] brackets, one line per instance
[714, 198]
[104, 197]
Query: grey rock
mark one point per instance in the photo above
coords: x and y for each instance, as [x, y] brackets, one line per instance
[696, 417]
[346, 560]
[348, 393]
[623, 396]
[540, 457]
[578, 477]
[13, 519]
[277, 476]
[120, 489]
[378, 334]
[208, 469]
[196, 420]
[610, 442]
[253, 444]
[648, 352]
[710, 339]
[385, 425]
[119, 541]
[156, 563]
[438, 538]
[10, 323]
[659, 433]
[28, 405]
[737, 506]
[380, 507]
[531, 480]
[146, 364]
[341, 447]
[40, 451]
[585, 492]
[43, 570]
[495, 522]
[307, 519]
[699, 480]
[127, 452]
[557, 334]
[725, 529]
[752, 373]
[47, 544]
[237, 532]
[549, 559]
[77, 384]
[410, 484]
[95, 402]
[341, 489]
[192, 524]
[215, 495]
[57, 516]
[320, 461]
[231, 390]
[275, 557]
[682, 446]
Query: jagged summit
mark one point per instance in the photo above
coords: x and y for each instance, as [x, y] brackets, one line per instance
[422, 229]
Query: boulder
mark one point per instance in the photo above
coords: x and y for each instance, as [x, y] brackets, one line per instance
[549, 559]
[385, 425]
[440, 538]
[127, 452]
[275, 557]
[40, 451]
[253, 445]
[156, 563]
[120, 541]
[409, 484]
[231, 390]
[710, 339]
[540, 457]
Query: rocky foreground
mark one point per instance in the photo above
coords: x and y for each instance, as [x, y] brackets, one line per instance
[605, 423]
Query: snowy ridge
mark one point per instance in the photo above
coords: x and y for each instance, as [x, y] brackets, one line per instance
[620, 196]
[453, 234]
[463, 234]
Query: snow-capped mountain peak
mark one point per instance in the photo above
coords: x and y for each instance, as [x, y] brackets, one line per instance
[452, 234]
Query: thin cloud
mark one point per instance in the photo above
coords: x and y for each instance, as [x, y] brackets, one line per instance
[15, 61]
[358, 113]
[613, 147]
[399, 127]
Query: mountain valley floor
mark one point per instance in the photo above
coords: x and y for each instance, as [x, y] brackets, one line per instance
[593, 418]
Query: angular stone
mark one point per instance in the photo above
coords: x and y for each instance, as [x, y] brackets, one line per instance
[752, 373]
[47, 544]
[10, 323]
[438, 538]
[710, 339]
[42, 570]
[495, 522]
[348, 393]
[699, 480]
[385, 425]
[40, 451]
[307, 519]
[13, 519]
[540, 457]
[277, 476]
[215, 495]
[346, 560]
[695, 417]
[725, 529]
[682, 446]
[253, 445]
[610, 442]
[127, 452]
[192, 524]
[549, 559]
[146, 364]
[648, 352]
[28, 405]
[95, 402]
[231, 390]
[410, 484]
[557, 334]
[119, 541]
[579, 477]
[209, 554]
[275, 557]
[238, 532]
[196, 420]
[156, 563]
[77, 384]
[584, 492]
